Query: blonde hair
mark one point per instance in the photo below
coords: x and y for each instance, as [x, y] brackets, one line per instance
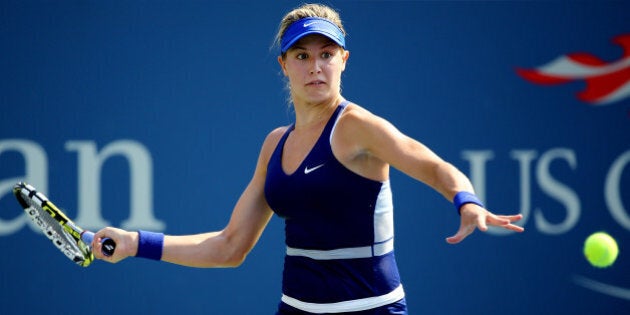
[304, 11]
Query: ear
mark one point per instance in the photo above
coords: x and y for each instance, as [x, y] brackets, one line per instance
[282, 65]
[345, 56]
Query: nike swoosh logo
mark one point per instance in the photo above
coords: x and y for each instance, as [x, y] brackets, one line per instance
[309, 24]
[603, 288]
[308, 170]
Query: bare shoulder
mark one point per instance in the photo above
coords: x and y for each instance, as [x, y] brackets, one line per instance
[356, 121]
[271, 141]
[356, 132]
[275, 135]
[355, 113]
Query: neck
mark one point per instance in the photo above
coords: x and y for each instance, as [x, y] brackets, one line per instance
[312, 114]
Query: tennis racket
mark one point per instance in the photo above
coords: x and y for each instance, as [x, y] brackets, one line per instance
[70, 239]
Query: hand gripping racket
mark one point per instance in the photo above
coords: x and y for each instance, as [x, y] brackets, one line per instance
[70, 239]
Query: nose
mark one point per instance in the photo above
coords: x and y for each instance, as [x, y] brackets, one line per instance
[315, 66]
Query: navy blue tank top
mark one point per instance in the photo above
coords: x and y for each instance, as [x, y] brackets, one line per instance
[339, 231]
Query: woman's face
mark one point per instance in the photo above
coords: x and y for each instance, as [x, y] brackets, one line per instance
[313, 66]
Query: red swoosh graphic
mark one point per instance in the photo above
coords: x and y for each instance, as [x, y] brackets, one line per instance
[606, 82]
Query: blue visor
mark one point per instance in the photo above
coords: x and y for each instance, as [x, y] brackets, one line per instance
[311, 25]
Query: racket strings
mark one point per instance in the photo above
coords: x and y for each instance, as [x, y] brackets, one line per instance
[54, 231]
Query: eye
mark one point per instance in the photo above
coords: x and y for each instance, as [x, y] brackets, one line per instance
[301, 56]
[326, 55]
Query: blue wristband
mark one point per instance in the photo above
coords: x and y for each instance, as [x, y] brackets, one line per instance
[150, 245]
[464, 197]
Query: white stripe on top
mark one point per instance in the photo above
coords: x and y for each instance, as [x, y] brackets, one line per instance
[347, 306]
[344, 253]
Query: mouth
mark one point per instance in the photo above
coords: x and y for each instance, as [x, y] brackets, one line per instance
[315, 83]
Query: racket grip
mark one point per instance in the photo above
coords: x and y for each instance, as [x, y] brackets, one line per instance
[108, 244]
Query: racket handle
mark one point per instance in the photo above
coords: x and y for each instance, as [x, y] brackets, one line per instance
[108, 244]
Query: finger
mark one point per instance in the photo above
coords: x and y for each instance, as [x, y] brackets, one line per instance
[458, 237]
[514, 227]
[454, 239]
[505, 221]
[498, 221]
[511, 218]
[98, 236]
[461, 234]
[451, 240]
[481, 223]
[97, 249]
[514, 218]
[97, 243]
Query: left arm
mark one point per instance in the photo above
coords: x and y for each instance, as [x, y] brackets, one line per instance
[378, 139]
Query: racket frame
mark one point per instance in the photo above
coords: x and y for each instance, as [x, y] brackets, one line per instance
[23, 190]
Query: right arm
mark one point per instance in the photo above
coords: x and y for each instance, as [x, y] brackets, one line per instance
[225, 248]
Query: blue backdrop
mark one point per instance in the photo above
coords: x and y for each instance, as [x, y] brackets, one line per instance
[151, 114]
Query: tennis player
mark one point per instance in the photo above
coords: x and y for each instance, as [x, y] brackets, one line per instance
[327, 175]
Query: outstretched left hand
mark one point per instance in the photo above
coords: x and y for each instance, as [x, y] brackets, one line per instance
[474, 216]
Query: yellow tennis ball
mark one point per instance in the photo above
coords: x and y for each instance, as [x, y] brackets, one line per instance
[600, 249]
